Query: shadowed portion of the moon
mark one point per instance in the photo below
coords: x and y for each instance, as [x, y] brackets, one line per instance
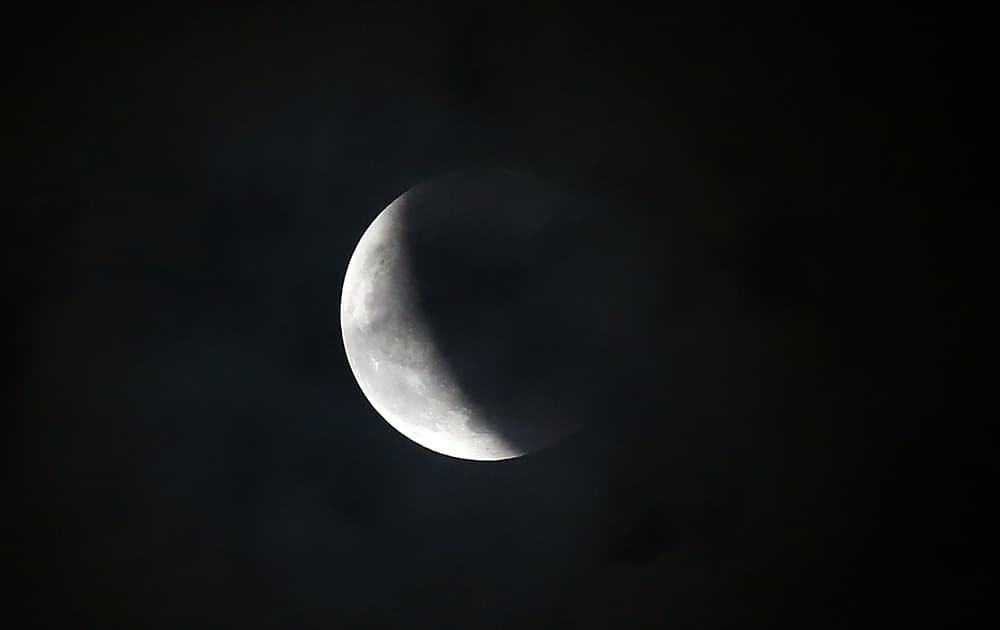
[503, 270]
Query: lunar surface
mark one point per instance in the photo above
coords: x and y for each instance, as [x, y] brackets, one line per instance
[430, 344]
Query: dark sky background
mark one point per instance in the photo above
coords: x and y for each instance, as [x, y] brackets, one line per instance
[190, 450]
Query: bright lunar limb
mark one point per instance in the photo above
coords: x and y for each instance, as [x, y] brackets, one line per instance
[394, 352]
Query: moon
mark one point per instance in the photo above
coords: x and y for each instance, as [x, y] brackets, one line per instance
[436, 300]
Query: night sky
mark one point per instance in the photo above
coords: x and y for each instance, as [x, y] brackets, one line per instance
[773, 195]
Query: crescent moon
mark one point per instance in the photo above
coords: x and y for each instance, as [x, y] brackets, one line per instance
[393, 350]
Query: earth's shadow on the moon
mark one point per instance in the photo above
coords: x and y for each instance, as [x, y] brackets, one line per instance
[504, 267]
